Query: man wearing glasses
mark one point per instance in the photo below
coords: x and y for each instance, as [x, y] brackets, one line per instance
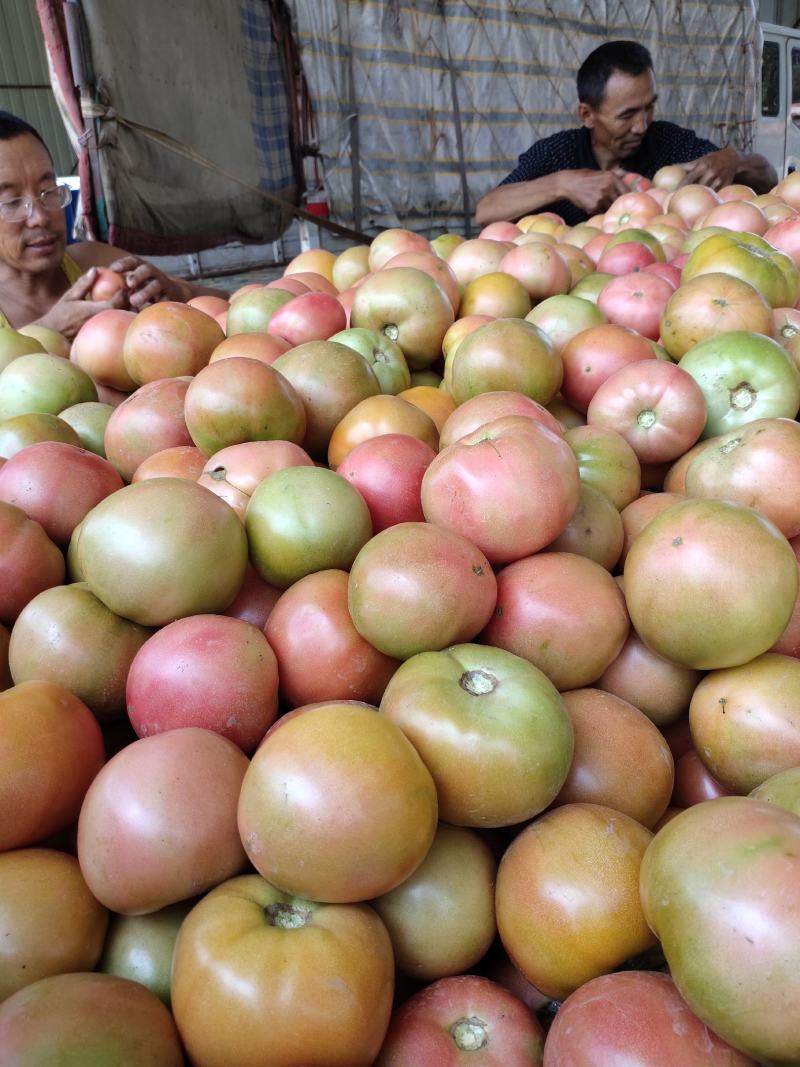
[39, 281]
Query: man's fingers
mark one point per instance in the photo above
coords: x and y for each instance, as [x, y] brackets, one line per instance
[127, 263]
[146, 294]
[79, 289]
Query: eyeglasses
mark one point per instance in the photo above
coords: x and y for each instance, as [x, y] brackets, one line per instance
[21, 208]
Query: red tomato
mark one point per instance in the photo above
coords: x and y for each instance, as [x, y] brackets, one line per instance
[79, 1014]
[264, 979]
[710, 584]
[337, 805]
[472, 487]
[51, 749]
[621, 760]
[107, 284]
[658, 408]
[755, 465]
[729, 921]
[540, 269]
[594, 354]
[637, 301]
[636, 515]
[567, 896]
[694, 782]
[309, 317]
[542, 615]
[29, 561]
[487, 407]
[255, 599]
[180, 461]
[320, 654]
[158, 823]
[57, 485]
[146, 422]
[637, 1018]
[241, 399]
[97, 348]
[261, 346]
[438, 268]
[418, 588]
[167, 340]
[660, 689]
[393, 242]
[756, 735]
[183, 676]
[480, 255]
[387, 471]
[49, 921]
[465, 1019]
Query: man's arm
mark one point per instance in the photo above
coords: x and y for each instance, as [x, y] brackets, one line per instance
[726, 165]
[591, 190]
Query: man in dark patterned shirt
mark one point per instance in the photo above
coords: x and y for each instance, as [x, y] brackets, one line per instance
[578, 173]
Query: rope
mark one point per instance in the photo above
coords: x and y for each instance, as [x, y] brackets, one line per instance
[93, 110]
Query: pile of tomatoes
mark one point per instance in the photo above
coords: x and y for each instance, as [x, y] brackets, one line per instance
[400, 662]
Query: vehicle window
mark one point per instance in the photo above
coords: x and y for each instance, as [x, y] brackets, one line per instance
[770, 79]
[796, 86]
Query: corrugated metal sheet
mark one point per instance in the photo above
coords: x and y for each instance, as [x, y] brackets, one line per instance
[25, 81]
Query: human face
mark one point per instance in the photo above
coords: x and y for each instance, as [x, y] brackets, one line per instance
[36, 244]
[620, 121]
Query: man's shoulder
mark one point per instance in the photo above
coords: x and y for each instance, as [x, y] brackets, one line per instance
[569, 137]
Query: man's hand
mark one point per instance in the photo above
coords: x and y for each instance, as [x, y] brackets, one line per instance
[147, 284]
[592, 190]
[716, 170]
[69, 313]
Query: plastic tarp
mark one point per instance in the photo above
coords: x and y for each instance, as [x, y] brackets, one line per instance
[424, 106]
[209, 76]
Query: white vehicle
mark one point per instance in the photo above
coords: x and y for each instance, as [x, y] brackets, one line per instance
[778, 126]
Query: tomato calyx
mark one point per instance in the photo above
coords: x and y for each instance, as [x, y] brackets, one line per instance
[646, 418]
[391, 330]
[219, 474]
[288, 916]
[470, 1034]
[478, 683]
[743, 396]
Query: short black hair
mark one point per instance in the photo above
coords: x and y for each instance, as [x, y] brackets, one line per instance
[627, 57]
[12, 126]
